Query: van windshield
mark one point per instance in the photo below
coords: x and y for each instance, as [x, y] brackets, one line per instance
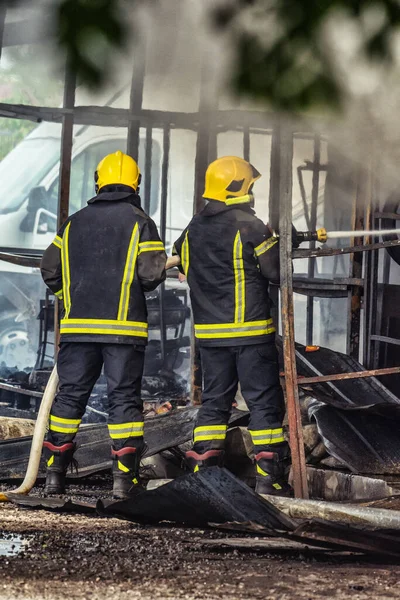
[24, 168]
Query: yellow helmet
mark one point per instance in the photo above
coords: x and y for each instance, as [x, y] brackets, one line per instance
[117, 168]
[229, 177]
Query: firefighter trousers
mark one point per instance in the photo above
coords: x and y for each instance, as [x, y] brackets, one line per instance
[79, 366]
[256, 368]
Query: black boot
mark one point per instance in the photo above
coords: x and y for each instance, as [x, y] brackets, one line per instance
[270, 476]
[126, 463]
[211, 458]
[58, 459]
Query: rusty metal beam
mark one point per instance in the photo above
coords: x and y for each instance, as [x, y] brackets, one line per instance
[344, 376]
[289, 350]
[348, 250]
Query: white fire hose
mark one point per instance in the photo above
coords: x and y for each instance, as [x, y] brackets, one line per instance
[37, 439]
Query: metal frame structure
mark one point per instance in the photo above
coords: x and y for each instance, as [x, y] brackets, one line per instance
[207, 122]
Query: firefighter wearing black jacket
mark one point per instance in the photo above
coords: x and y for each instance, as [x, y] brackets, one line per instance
[100, 264]
[229, 256]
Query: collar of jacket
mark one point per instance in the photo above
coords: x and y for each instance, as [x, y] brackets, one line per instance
[117, 193]
[215, 207]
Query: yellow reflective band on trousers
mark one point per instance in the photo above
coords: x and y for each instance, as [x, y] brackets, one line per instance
[126, 430]
[185, 254]
[265, 246]
[104, 327]
[234, 330]
[50, 461]
[59, 294]
[151, 246]
[129, 272]
[57, 241]
[263, 437]
[66, 276]
[62, 425]
[209, 432]
[240, 286]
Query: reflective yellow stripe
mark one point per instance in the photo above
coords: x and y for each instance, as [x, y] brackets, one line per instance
[238, 269]
[66, 276]
[50, 461]
[265, 246]
[62, 425]
[125, 430]
[213, 436]
[233, 330]
[104, 327]
[151, 246]
[57, 241]
[209, 432]
[261, 471]
[185, 254]
[115, 427]
[59, 294]
[122, 467]
[267, 436]
[196, 469]
[66, 421]
[63, 429]
[211, 428]
[239, 200]
[129, 272]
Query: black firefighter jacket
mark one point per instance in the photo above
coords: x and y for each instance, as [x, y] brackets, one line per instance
[229, 257]
[100, 264]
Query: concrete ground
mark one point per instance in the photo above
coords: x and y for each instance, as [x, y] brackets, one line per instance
[48, 556]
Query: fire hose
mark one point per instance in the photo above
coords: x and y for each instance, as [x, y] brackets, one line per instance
[37, 439]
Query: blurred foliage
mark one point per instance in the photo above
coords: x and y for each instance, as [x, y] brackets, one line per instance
[89, 30]
[281, 56]
[289, 64]
[24, 79]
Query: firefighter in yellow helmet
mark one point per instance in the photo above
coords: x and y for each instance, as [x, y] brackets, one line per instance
[100, 263]
[229, 257]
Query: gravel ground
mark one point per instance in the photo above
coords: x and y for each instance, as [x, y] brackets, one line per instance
[76, 557]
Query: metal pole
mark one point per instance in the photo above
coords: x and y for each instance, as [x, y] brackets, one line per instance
[313, 226]
[3, 12]
[65, 175]
[206, 151]
[148, 162]
[345, 376]
[318, 252]
[273, 209]
[135, 103]
[246, 143]
[289, 350]
[163, 231]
